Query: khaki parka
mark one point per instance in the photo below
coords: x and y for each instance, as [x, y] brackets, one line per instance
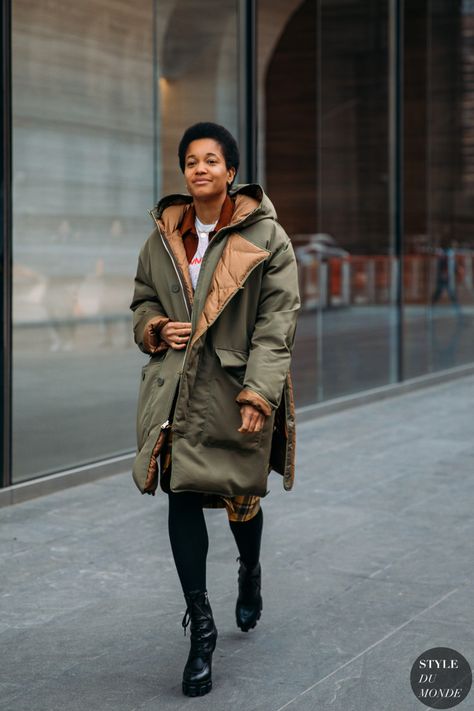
[243, 315]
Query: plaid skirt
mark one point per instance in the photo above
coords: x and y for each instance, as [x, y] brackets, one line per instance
[239, 508]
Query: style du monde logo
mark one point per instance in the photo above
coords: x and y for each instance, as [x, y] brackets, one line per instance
[441, 678]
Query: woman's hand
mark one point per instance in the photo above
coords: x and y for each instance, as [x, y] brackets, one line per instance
[176, 334]
[252, 419]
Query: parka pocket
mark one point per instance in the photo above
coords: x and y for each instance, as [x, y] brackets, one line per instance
[233, 362]
[147, 396]
[223, 412]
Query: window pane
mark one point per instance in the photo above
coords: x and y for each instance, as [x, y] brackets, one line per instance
[439, 175]
[102, 91]
[324, 108]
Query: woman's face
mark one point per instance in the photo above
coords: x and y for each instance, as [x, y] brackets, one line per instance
[205, 171]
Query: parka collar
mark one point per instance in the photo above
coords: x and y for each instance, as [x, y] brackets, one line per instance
[251, 205]
[239, 256]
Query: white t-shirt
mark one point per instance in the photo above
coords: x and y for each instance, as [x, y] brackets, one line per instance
[202, 231]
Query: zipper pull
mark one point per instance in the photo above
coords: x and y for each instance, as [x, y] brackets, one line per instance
[165, 425]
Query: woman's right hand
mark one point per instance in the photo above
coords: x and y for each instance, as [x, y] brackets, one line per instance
[176, 334]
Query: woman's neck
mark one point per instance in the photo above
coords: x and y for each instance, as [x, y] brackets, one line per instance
[209, 211]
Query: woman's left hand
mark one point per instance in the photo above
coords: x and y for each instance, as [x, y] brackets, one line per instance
[252, 419]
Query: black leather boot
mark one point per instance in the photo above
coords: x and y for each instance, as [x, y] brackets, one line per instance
[197, 674]
[249, 602]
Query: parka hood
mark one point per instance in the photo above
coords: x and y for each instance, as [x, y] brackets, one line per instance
[251, 206]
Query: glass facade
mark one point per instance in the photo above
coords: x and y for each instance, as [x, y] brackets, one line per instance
[439, 185]
[324, 95]
[101, 94]
[325, 87]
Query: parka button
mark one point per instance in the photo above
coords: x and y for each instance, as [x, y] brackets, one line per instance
[175, 288]
[160, 381]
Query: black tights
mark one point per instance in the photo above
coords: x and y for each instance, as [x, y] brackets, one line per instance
[190, 542]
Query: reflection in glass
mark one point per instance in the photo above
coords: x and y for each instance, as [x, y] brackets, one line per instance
[323, 83]
[102, 92]
[439, 185]
[101, 95]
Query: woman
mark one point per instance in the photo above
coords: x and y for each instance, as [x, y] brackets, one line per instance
[215, 306]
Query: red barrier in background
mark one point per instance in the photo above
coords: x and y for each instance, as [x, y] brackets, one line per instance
[369, 279]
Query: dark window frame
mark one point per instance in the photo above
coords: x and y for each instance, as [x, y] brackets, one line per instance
[247, 38]
[6, 241]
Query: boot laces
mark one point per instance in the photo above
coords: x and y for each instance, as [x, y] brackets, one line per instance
[185, 622]
[187, 615]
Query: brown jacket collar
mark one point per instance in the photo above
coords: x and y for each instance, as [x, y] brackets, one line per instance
[172, 218]
[173, 215]
[225, 218]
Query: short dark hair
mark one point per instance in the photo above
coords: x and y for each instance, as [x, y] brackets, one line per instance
[207, 129]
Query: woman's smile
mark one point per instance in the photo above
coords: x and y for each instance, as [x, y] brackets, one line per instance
[205, 167]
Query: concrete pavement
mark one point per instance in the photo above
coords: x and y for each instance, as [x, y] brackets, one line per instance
[366, 564]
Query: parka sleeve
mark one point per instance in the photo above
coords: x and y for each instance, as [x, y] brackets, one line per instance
[149, 316]
[274, 333]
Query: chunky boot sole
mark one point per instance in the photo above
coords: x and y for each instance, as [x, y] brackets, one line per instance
[250, 624]
[197, 674]
[200, 688]
[249, 605]
[197, 689]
